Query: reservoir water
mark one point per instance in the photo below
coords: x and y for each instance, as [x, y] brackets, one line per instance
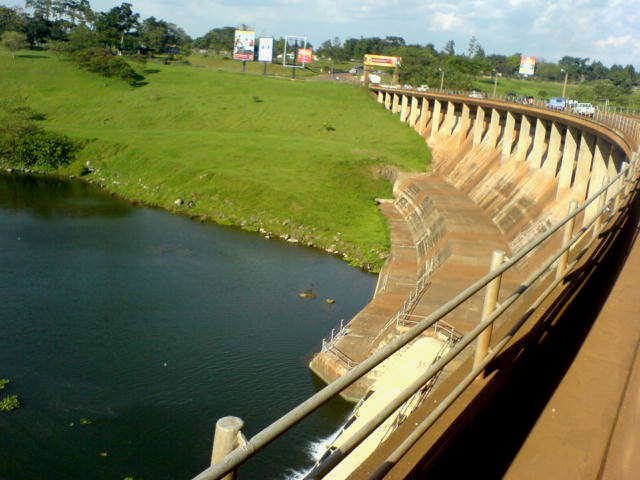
[127, 332]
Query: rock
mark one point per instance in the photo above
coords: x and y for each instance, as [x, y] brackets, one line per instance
[330, 301]
[292, 240]
[262, 231]
[191, 204]
[178, 202]
[307, 294]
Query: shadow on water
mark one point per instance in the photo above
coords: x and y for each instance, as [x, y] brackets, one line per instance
[49, 197]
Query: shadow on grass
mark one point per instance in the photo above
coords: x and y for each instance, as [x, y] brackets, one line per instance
[138, 81]
[149, 71]
[31, 55]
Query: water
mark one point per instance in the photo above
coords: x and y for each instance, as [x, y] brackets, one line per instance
[152, 326]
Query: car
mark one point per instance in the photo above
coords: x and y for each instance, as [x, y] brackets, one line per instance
[585, 109]
[423, 88]
[557, 103]
[477, 94]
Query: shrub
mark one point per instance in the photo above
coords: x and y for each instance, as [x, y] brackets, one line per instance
[102, 61]
[38, 148]
[9, 403]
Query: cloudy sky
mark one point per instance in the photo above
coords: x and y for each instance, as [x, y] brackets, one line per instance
[606, 30]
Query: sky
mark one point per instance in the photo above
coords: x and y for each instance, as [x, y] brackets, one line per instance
[604, 30]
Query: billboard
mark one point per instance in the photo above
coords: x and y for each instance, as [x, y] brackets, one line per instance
[305, 55]
[243, 45]
[382, 61]
[265, 50]
[527, 65]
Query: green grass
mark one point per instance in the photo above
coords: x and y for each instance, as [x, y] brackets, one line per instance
[301, 157]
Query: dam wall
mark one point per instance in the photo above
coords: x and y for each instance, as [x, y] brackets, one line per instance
[502, 174]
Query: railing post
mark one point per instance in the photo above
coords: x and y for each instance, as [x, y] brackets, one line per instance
[597, 224]
[490, 301]
[228, 437]
[563, 261]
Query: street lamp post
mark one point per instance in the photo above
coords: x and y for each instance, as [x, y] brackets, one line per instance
[441, 78]
[564, 87]
[495, 84]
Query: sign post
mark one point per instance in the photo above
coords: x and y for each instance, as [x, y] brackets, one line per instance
[382, 61]
[527, 65]
[293, 54]
[265, 52]
[243, 47]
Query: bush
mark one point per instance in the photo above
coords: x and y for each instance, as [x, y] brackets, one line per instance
[102, 61]
[41, 149]
[9, 403]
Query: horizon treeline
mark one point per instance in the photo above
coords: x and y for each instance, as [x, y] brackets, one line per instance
[71, 25]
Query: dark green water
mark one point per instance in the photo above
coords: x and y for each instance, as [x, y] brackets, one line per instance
[153, 326]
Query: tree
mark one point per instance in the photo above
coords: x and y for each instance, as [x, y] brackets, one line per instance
[113, 25]
[11, 19]
[475, 48]
[450, 48]
[14, 41]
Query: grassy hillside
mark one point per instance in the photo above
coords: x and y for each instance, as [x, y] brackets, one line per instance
[304, 158]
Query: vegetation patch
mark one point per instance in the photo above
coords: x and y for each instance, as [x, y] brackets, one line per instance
[25, 144]
[9, 403]
[102, 61]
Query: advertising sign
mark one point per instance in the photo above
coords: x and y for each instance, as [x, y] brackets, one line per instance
[265, 50]
[305, 55]
[527, 65]
[243, 45]
[382, 61]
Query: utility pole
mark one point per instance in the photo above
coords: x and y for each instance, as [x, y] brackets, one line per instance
[495, 84]
[441, 78]
[566, 77]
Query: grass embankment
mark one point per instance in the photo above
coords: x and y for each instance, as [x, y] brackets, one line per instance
[298, 158]
[227, 64]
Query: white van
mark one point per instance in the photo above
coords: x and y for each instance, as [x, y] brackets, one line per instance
[585, 109]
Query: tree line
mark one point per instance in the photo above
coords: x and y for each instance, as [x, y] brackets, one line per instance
[425, 64]
[72, 25]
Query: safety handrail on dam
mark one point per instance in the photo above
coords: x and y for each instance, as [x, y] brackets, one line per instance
[604, 202]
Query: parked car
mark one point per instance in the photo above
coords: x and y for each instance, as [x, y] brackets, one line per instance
[423, 88]
[476, 94]
[585, 109]
[557, 103]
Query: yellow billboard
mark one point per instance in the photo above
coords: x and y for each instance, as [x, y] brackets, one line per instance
[382, 61]
[527, 65]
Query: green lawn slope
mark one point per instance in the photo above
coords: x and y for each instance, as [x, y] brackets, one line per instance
[290, 157]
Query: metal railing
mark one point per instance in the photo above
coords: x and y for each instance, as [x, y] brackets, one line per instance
[612, 199]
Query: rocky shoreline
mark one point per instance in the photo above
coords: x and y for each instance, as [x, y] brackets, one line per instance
[295, 234]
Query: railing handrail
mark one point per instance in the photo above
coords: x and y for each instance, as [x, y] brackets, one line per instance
[297, 414]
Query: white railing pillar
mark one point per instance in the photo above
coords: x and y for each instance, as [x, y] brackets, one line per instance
[228, 437]
[597, 224]
[490, 301]
[563, 261]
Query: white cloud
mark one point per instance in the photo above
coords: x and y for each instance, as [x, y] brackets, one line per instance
[446, 21]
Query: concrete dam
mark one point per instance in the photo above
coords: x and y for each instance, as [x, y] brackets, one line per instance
[491, 250]
[502, 174]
